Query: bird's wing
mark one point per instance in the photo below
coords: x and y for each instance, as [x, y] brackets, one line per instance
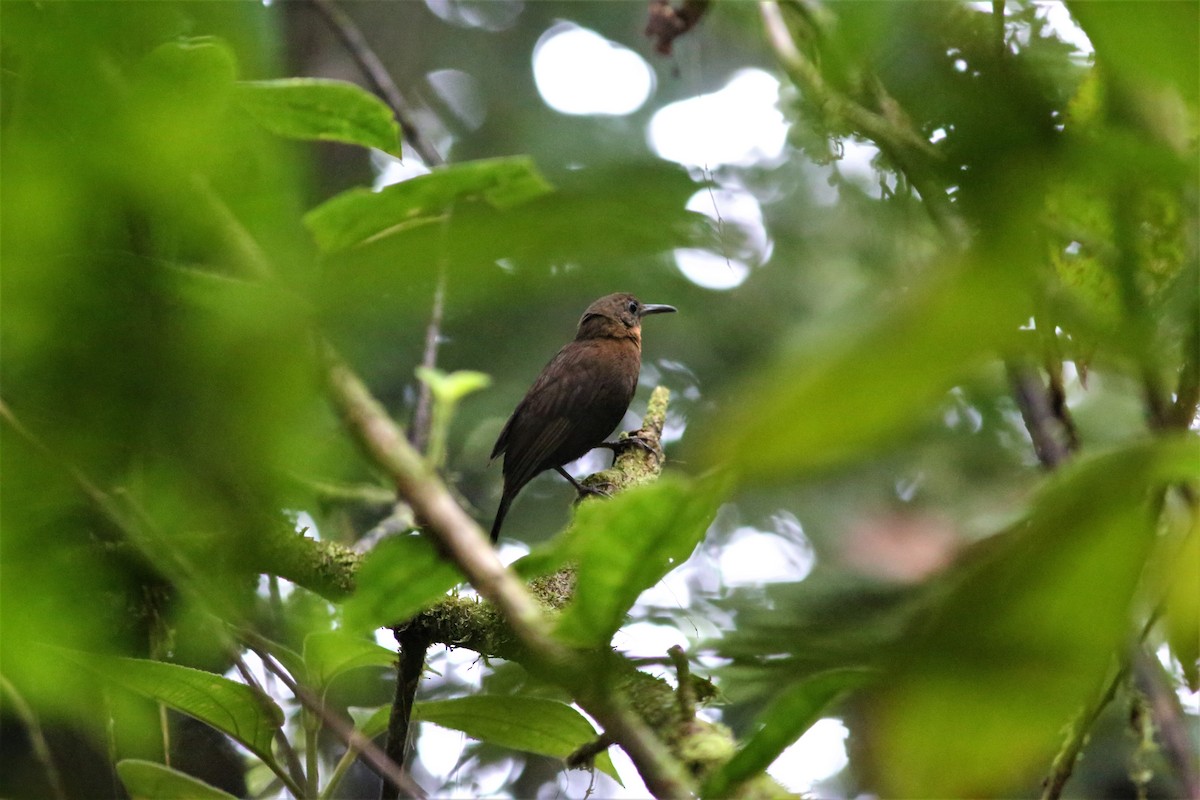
[546, 417]
[521, 467]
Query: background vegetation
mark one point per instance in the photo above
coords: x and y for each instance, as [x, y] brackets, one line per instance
[931, 462]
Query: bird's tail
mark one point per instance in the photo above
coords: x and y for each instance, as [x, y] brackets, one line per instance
[501, 512]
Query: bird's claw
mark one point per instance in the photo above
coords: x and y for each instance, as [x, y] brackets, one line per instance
[629, 440]
[592, 491]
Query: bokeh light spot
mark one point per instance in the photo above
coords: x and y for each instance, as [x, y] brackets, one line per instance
[578, 71]
[739, 124]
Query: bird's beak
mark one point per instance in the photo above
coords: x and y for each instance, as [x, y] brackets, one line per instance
[651, 308]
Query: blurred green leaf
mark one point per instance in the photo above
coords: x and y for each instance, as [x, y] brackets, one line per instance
[836, 400]
[588, 219]
[1183, 607]
[230, 707]
[376, 723]
[531, 724]
[791, 632]
[327, 110]
[626, 544]
[454, 386]
[399, 578]
[147, 780]
[359, 214]
[1159, 42]
[329, 654]
[786, 718]
[987, 681]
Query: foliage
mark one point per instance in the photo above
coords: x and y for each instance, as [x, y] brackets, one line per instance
[1013, 278]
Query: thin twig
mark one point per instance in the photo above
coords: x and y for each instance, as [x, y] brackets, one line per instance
[295, 770]
[350, 736]
[408, 677]
[998, 27]
[685, 692]
[375, 72]
[418, 432]
[586, 753]
[41, 750]
[1169, 721]
[1068, 755]
[1043, 424]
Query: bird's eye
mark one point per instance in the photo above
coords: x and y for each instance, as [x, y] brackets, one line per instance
[633, 306]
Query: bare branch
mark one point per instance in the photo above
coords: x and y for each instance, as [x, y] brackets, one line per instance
[375, 72]
[1050, 440]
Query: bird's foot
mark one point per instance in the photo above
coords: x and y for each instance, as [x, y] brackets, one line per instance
[584, 491]
[590, 491]
[635, 439]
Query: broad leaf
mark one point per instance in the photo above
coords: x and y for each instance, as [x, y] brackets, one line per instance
[1153, 41]
[329, 654]
[1183, 607]
[376, 723]
[783, 721]
[626, 545]
[315, 108]
[588, 219]
[359, 214]
[531, 724]
[230, 707]
[399, 578]
[148, 780]
[834, 401]
[1037, 620]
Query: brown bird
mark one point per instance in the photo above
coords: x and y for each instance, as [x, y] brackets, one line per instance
[579, 398]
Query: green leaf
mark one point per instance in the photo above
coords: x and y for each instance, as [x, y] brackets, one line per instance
[230, 707]
[531, 724]
[326, 110]
[1152, 41]
[454, 386]
[1183, 607]
[399, 578]
[835, 401]
[329, 654]
[626, 545]
[1036, 618]
[587, 219]
[376, 723]
[783, 721]
[147, 780]
[359, 214]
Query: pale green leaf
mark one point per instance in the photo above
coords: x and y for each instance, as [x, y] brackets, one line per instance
[399, 578]
[230, 707]
[781, 723]
[625, 545]
[531, 724]
[320, 109]
[454, 386]
[148, 780]
[329, 654]
[359, 214]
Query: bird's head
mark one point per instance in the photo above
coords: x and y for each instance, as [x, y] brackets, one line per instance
[617, 316]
